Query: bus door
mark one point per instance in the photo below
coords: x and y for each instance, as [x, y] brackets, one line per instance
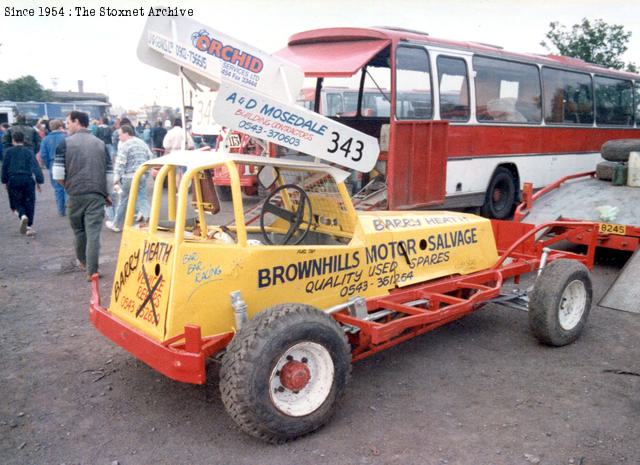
[417, 158]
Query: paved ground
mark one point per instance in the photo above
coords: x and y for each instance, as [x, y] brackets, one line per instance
[479, 391]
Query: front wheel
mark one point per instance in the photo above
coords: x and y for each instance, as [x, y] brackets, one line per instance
[560, 302]
[284, 371]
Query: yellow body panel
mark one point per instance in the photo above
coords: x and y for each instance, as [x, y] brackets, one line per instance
[191, 278]
[143, 254]
[437, 243]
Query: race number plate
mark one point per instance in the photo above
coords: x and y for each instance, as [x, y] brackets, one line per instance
[608, 228]
[233, 141]
[203, 122]
[294, 127]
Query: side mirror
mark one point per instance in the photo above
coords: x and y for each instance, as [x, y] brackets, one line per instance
[267, 176]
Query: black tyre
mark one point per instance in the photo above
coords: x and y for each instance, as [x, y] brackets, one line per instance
[619, 149]
[604, 170]
[560, 302]
[501, 195]
[224, 193]
[284, 371]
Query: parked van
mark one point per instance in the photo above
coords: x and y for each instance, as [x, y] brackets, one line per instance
[6, 115]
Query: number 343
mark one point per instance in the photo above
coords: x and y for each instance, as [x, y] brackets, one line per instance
[346, 146]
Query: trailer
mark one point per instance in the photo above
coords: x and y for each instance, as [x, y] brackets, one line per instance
[581, 197]
[584, 198]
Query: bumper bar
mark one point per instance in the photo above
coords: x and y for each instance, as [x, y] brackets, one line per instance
[181, 358]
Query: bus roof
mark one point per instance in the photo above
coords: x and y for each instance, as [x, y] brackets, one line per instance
[316, 49]
[202, 159]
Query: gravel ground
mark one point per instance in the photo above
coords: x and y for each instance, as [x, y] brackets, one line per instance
[478, 391]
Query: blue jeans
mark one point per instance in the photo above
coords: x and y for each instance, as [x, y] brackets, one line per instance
[61, 195]
[110, 210]
[142, 200]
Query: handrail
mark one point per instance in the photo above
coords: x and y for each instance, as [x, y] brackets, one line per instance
[553, 224]
[529, 197]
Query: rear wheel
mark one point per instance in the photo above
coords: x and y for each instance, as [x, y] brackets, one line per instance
[560, 302]
[284, 371]
[501, 195]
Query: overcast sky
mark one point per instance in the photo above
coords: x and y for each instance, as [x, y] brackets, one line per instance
[101, 51]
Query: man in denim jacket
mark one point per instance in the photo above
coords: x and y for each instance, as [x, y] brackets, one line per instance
[48, 154]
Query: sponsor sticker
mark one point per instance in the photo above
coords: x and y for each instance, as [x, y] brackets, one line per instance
[294, 127]
[216, 56]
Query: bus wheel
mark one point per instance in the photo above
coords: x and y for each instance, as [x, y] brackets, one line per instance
[224, 193]
[284, 371]
[500, 196]
[560, 302]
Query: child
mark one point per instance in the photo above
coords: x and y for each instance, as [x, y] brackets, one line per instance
[18, 169]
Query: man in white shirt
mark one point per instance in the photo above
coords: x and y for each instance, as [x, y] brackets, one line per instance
[174, 140]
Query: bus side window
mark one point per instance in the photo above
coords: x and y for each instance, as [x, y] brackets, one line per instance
[413, 83]
[614, 101]
[507, 91]
[454, 94]
[334, 104]
[568, 97]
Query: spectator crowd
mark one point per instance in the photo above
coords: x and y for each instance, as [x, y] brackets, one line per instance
[91, 165]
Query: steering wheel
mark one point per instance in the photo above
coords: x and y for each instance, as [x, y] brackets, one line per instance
[294, 218]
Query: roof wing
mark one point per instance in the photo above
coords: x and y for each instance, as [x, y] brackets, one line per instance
[203, 53]
[257, 91]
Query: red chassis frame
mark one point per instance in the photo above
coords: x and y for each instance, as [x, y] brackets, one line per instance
[630, 241]
[182, 358]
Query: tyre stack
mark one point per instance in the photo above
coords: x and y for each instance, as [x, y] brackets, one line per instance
[616, 153]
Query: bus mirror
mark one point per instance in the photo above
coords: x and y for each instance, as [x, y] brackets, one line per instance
[267, 176]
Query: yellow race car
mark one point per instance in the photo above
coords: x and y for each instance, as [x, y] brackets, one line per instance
[286, 291]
